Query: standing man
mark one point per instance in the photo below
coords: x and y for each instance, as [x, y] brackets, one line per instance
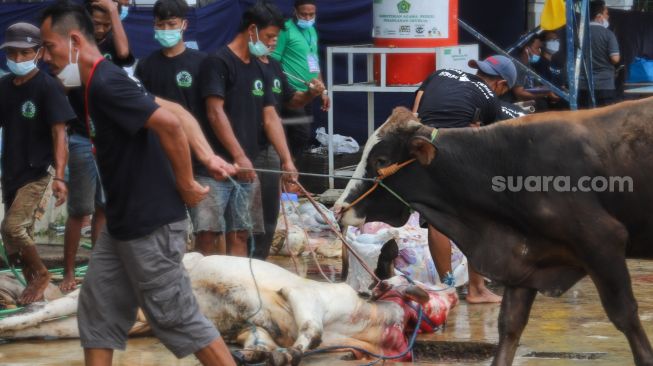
[109, 33]
[33, 114]
[144, 159]
[241, 121]
[173, 72]
[297, 50]
[605, 55]
[455, 99]
[284, 96]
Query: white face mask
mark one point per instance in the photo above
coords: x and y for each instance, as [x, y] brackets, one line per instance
[552, 46]
[69, 75]
[605, 23]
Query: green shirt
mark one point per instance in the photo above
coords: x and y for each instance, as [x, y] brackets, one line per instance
[296, 48]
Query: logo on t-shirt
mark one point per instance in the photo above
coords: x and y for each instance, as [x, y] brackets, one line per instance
[108, 56]
[258, 88]
[276, 86]
[28, 109]
[184, 79]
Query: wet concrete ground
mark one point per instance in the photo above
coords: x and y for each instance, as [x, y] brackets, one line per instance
[574, 323]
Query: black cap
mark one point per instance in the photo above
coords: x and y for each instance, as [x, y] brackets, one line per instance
[22, 35]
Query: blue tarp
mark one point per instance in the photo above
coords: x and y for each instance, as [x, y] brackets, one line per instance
[340, 22]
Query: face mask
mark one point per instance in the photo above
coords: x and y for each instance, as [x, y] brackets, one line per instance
[124, 11]
[553, 46]
[533, 59]
[167, 37]
[605, 23]
[305, 24]
[22, 68]
[69, 75]
[257, 49]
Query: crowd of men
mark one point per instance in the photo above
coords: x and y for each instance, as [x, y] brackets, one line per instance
[183, 137]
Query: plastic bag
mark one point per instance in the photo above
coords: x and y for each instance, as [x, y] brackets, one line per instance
[640, 71]
[341, 144]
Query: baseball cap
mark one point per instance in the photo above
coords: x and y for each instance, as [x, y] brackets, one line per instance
[22, 35]
[499, 66]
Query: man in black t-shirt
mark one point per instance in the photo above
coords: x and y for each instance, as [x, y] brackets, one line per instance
[109, 33]
[143, 153]
[242, 117]
[285, 96]
[33, 112]
[173, 72]
[456, 99]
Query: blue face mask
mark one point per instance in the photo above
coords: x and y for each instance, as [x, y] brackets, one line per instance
[257, 49]
[21, 68]
[305, 24]
[533, 59]
[167, 37]
[124, 11]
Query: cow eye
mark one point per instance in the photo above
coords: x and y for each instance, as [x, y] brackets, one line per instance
[381, 162]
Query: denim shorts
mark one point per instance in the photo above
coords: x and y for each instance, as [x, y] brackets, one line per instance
[228, 207]
[84, 187]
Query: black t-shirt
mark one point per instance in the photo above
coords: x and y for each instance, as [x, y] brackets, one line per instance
[453, 98]
[76, 95]
[137, 177]
[245, 95]
[174, 78]
[510, 111]
[27, 114]
[108, 50]
[281, 88]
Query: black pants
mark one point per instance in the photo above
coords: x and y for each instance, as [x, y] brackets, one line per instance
[603, 97]
[298, 136]
[270, 195]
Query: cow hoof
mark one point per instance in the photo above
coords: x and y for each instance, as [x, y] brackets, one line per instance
[285, 356]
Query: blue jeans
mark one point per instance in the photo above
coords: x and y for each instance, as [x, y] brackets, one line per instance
[84, 187]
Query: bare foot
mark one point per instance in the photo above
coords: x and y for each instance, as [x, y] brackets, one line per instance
[35, 288]
[68, 283]
[482, 295]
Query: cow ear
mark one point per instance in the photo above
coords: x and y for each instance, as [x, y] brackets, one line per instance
[417, 294]
[422, 149]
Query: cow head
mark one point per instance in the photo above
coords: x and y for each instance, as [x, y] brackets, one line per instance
[399, 139]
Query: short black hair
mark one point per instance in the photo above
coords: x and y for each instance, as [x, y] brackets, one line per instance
[166, 9]
[263, 15]
[299, 3]
[66, 16]
[596, 7]
[90, 7]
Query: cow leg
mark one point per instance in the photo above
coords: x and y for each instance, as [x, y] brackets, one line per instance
[307, 317]
[612, 280]
[515, 309]
[259, 346]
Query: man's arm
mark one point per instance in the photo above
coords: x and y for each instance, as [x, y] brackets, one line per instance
[276, 136]
[418, 99]
[219, 168]
[300, 99]
[120, 40]
[60, 144]
[175, 145]
[225, 134]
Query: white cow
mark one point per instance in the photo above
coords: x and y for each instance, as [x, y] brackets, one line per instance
[280, 310]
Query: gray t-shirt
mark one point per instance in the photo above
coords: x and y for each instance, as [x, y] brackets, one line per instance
[604, 45]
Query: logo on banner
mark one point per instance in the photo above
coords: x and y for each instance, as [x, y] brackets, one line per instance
[258, 88]
[28, 109]
[404, 29]
[184, 79]
[403, 7]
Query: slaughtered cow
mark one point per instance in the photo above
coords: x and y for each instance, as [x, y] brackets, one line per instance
[530, 240]
[277, 318]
